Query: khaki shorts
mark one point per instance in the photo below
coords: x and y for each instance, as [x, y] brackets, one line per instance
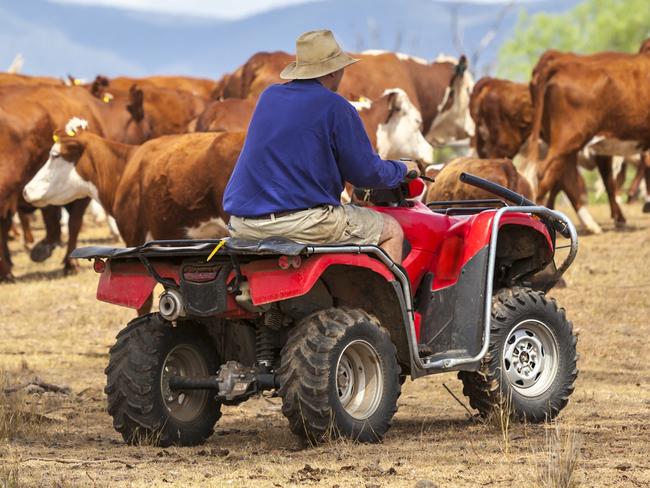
[343, 224]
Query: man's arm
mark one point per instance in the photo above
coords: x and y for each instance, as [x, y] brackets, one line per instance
[357, 161]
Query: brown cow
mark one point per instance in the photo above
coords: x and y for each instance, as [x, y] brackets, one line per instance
[501, 171]
[199, 87]
[503, 113]
[169, 111]
[227, 115]
[16, 79]
[29, 115]
[577, 101]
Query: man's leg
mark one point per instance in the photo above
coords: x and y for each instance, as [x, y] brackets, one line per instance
[391, 239]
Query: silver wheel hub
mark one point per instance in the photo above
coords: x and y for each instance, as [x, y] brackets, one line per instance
[530, 358]
[359, 379]
[183, 360]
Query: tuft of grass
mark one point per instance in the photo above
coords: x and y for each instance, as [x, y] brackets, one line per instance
[558, 460]
[9, 475]
[18, 413]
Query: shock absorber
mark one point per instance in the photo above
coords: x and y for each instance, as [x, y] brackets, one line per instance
[265, 346]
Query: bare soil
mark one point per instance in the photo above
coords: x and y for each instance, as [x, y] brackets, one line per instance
[52, 327]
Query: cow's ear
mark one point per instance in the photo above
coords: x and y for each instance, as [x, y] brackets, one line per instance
[136, 103]
[72, 148]
[98, 86]
[393, 105]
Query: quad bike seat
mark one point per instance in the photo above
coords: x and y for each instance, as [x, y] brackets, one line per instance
[268, 245]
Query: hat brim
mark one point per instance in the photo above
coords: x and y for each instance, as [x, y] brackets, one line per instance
[315, 70]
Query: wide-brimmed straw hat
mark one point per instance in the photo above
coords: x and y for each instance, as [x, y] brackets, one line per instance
[317, 54]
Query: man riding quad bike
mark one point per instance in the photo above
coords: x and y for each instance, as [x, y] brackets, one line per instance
[333, 306]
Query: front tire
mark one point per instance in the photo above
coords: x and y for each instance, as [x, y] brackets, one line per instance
[531, 365]
[144, 410]
[339, 377]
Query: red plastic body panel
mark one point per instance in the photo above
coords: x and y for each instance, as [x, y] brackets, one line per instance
[270, 283]
[444, 244]
[129, 284]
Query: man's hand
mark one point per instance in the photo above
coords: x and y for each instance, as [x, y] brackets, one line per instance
[411, 166]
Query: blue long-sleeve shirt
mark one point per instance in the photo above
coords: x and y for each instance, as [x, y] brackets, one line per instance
[304, 141]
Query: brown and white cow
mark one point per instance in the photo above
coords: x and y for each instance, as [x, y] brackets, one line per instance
[29, 115]
[392, 123]
[440, 90]
[167, 188]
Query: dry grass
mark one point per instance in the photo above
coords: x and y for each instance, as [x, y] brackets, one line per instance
[57, 326]
[558, 461]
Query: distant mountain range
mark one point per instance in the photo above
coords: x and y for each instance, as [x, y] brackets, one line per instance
[57, 39]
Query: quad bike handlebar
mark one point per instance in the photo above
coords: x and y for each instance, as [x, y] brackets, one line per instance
[558, 224]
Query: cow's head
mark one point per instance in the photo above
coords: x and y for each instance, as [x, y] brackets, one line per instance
[58, 182]
[645, 47]
[453, 121]
[399, 134]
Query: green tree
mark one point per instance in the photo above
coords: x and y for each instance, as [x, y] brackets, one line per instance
[592, 26]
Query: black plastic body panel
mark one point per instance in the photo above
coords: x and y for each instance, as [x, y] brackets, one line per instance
[453, 317]
[205, 298]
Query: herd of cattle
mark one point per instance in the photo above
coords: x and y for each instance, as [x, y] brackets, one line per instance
[157, 152]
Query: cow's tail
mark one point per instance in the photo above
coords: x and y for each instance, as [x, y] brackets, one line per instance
[538, 95]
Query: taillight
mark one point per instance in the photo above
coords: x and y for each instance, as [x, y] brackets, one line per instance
[99, 266]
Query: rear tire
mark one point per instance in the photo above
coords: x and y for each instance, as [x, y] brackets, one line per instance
[144, 410]
[339, 377]
[531, 365]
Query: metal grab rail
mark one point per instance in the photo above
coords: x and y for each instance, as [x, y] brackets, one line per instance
[423, 363]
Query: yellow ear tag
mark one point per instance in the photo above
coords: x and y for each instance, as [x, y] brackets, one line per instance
[363, 100]
[107, 98]
[70, 132]
[76, 82]
[214, 251]
[55, 138]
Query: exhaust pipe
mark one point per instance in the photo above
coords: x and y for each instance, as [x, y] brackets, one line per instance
[171, 305]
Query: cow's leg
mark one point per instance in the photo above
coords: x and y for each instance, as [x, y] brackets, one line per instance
[76, 210]
[552, 196]
[645, 164]
[43, 249]
[25, 224]
[564, 170]
[5, 257]
[604, 164]
[576, 190]
[633, 190]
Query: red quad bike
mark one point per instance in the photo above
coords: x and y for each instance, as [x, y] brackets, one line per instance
[335, 329]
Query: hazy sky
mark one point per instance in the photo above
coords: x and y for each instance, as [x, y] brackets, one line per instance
[230, 9]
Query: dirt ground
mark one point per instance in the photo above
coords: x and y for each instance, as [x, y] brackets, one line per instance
[52, 327]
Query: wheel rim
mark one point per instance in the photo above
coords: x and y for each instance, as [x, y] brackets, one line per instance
[183, 360]
[359, 379]
[530, 358]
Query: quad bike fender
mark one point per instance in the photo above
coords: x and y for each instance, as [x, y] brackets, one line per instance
[467, 237]
[269, 282]
[127, 283]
